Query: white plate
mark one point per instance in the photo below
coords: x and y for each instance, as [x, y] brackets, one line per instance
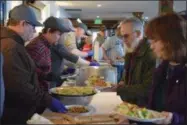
[141, 120]
[90, 108]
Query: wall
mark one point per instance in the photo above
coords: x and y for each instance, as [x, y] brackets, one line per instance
[51, 9]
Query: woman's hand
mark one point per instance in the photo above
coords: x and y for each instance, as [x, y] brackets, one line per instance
[109, 61]
[167, 120]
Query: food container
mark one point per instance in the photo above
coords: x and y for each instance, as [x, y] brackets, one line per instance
[90, 111]
[108, 72]
[73, 99]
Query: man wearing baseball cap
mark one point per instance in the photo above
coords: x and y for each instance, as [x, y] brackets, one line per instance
[40, 50]
[59, 52]
[23, 96]
[70, 40]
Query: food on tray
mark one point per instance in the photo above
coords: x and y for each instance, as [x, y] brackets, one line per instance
[137, 112]
[97, 81]
[60, 121]
[101, 119]
[59, 118]
[78, 109]
[75, 90]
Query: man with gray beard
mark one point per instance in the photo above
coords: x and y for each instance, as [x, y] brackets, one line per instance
[139, 64]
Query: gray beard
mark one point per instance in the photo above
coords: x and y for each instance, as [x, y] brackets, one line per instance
[132, 48]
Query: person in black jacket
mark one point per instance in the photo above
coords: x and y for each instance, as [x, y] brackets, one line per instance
[24, 97]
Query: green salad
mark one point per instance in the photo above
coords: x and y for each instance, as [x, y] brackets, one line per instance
[75, 90]
[135, 111]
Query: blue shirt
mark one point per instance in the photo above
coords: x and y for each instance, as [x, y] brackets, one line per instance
[114, 47]
[1, 85]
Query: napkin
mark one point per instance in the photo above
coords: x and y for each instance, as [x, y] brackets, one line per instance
[38, 119]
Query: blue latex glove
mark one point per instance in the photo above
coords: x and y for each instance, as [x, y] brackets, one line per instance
[57, 106]
[71, 70]
[90, 53]
[68, 71]
[94, 64]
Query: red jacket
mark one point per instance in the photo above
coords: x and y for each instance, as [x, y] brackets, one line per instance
[87, 48]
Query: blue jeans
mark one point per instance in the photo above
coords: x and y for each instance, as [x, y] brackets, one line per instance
[120, 69]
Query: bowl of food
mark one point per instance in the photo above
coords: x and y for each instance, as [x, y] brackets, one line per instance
[97, 82]
[105, 73]
[79, 95]
[80, 110]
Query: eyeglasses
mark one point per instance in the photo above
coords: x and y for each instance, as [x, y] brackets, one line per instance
[125, 36]
[33, 26]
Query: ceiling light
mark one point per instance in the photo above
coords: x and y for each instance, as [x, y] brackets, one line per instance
[98, 5]
[79, 21]
[97, 16]
[61, 3]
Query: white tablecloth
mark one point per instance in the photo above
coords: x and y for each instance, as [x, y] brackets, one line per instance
[103, 102]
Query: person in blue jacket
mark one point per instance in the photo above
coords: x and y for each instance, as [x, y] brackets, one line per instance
[2, 92]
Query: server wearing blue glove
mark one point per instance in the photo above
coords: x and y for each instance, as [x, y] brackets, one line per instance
[24, 97]
[57, 106]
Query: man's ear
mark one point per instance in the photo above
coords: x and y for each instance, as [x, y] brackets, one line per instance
[48, 30]
[22, 23]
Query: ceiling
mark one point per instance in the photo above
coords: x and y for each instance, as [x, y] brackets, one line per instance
[114, 10]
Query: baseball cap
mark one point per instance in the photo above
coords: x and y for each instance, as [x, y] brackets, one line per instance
[81, 25]
[89, 33]
[67, 25]
[24, 12]
[58, 23]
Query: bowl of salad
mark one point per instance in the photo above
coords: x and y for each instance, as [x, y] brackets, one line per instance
[79, 95]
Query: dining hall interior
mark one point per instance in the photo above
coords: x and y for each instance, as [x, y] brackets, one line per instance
[93, 62]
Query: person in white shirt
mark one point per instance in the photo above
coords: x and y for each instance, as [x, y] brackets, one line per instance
[113, 52]
[71, 39]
